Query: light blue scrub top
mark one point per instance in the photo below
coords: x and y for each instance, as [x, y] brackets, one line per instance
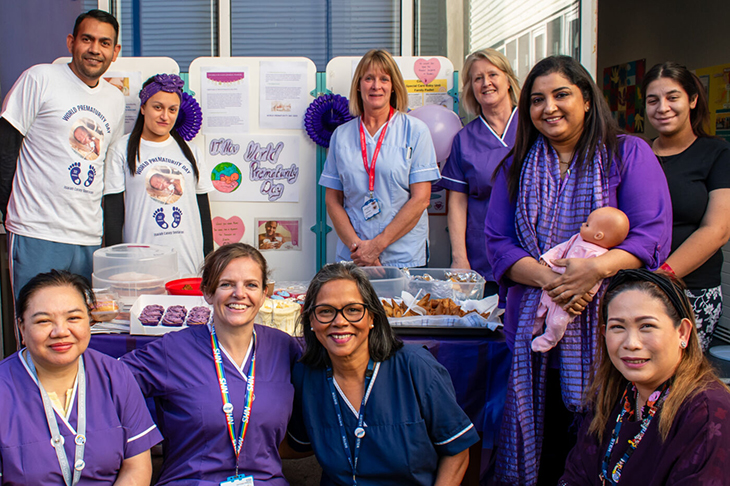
[406, 157]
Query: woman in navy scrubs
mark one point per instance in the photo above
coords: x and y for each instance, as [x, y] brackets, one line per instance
[374, 411]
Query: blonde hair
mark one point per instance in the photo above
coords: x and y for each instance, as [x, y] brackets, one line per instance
[500, 62]
[693, 374]
[383, 60]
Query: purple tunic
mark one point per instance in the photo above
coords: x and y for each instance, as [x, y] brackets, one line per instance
[476, 152]
[118, 424]
[179, 372]
[695, 452]
[637, 187]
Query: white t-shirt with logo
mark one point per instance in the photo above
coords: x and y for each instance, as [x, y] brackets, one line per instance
[160, 203]
[67, 128]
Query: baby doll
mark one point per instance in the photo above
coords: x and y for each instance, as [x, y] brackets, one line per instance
[605, 228]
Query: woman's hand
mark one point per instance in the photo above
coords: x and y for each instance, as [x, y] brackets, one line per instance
[581, 275]
[366, 253]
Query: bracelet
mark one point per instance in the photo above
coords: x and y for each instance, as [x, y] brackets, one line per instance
[665, 267]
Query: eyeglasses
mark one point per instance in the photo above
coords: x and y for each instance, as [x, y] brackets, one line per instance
[351, 312]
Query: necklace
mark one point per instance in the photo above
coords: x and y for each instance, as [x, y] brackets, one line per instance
[625, 414]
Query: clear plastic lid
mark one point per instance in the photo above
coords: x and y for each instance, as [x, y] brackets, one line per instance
[135, 262]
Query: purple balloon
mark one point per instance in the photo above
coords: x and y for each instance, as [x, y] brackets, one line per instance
[443, 124]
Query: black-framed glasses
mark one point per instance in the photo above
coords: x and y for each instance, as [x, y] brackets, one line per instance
[351, 312]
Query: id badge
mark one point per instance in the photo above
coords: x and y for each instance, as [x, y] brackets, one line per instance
[371, 208]
[240, 480]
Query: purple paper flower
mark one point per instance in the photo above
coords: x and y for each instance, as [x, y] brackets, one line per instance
[189, 118]
[324, 115]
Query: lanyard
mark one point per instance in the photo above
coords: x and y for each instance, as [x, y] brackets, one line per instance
[57, 439]
[359, 430]
[370, 168]
[227, 405]
[615, 476]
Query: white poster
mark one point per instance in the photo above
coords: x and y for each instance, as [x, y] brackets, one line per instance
[283, 94]
[254, 167]
[129, 83]
[224, 99]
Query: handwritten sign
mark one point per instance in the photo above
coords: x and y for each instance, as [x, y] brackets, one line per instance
[226, 231]
[254, 168]
[427, 69]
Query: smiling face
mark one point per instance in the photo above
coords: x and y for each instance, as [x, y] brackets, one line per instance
[668, 107]
[160, 114]
[342, 339]
[558, 110]
[642, 340]
[92, 50]
[238, 295]
[55, 327]
[375, 89]
[490, 85]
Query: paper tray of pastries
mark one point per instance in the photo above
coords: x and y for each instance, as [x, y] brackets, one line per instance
[419, 314]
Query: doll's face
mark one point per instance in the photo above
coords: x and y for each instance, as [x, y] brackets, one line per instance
[605, 227]
[592, 229]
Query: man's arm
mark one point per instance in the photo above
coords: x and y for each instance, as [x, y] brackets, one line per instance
[10, 143]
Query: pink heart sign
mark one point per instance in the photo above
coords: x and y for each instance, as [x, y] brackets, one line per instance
[427, 69]
[227, 231]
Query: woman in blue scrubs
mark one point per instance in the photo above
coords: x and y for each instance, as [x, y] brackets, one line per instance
[375, 412]
[379, 170]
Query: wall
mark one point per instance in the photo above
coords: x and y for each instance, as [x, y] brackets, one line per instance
[33, 32]
[660, 31]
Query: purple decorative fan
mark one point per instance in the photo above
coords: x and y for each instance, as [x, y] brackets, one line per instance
[324, 114]
[189, 118]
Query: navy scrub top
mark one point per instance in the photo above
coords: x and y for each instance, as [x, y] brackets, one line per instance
[411, 419]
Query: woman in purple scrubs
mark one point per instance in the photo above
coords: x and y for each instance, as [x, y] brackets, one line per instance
[490, 91]
[658, 411]
[223, 391]
[72, 415]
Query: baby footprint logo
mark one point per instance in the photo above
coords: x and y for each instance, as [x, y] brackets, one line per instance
[75, 170]
[90, 176]
[176, 217]
[159, 215]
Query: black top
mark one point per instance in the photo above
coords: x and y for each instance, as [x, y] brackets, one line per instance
[691, 176]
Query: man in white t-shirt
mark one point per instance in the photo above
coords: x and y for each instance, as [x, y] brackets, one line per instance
[57, 122]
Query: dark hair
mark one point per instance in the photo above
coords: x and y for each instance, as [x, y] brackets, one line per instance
[693, 374]
[699, 116]
[599, 129]
[136, 134]
[101, 16]
[54, 278]
[382, 342]
[216, 262]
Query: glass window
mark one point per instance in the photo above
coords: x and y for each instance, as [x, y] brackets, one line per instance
[430, 28]
[317, 29]
[182, 30]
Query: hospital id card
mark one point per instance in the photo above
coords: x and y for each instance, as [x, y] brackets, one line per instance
[371, 208]
[240, 480]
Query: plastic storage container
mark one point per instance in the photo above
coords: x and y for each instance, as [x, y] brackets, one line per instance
[443, 287]
[132, 270]
[388, 282]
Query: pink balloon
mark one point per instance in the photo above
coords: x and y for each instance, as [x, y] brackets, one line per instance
[443, 124]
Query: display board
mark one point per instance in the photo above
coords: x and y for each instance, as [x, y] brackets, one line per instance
[258, 156]
[128, 74]
[428, 81]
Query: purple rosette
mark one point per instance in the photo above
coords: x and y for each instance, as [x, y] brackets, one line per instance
[189, 118]
[324, 115]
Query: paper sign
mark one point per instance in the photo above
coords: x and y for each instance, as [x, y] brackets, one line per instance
[427, 69]
[227, 231]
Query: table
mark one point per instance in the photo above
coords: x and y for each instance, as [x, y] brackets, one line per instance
[479, 369]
